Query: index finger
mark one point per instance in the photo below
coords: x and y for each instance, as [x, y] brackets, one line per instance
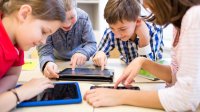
[73, 63]
[119, 81]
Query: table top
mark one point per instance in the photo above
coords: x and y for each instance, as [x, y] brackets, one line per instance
[115, 64]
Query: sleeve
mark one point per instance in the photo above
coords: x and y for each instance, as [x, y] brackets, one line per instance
[156, 41]
[89, 40]
[45, 52]
[107, 42]
[184, 95]
[20, 60]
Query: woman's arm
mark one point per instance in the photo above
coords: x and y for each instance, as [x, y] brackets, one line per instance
[161, 71]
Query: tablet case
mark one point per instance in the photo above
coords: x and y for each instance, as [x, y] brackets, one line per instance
[78, 99]
[86, 74]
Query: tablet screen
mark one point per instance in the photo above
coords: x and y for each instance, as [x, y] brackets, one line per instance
[59, 92]
[119, 87]
[86, 71]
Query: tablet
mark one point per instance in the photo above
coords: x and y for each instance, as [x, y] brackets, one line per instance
[62, 93]
[119, 87]
[87, 74]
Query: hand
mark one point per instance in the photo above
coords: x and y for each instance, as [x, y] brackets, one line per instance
[78, 59]
[33, 88]
[104, 97]
[130, 72]
[100, 59]
[50, 70]
[143, 33]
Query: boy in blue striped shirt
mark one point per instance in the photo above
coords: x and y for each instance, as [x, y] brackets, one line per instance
[129, 33]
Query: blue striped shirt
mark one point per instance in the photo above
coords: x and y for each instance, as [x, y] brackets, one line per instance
[129, 49]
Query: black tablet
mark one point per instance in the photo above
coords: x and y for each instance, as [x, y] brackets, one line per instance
[62, 93]
[87, 74]
[119, 87]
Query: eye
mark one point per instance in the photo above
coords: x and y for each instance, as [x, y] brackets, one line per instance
[122, 29]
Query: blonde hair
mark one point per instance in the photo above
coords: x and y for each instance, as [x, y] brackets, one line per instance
[41, 9]
[70, 4]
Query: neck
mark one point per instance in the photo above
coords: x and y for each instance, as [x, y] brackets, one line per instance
[9, 27]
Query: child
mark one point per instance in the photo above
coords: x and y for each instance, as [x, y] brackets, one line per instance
[131, 35]
[183, 74]
[24, 24]
[74, 41]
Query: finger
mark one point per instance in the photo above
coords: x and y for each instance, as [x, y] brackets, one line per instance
[88, 93]
[52, 73]
[130, 78]
[46, 73]
[117, 82]
[102, 64]
[74, 60]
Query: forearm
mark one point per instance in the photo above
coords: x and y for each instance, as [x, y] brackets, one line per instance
[136, 98]
[161, 71]
[7, 101]
[8, 82]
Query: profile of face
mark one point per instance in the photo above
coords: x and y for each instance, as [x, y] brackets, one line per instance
[71, 18]
[123, 30]
[31, 31]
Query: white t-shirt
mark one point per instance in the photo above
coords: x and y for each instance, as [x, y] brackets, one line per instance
[184, 95]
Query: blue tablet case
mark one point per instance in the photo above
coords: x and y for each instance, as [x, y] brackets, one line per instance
[78, 99]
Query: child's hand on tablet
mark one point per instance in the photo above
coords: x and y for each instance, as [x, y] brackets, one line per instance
[33, 88]
[100, 59]
[50, 70]
[104, 97]
[78, 59]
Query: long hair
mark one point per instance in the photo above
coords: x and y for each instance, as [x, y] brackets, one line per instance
[165, 12]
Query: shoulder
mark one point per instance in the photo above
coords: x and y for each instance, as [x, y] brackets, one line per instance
[191, 18]
[82, 14]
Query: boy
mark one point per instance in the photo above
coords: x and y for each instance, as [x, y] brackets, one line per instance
[75, 41]
[131, 35]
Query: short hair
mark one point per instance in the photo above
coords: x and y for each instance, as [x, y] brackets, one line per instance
[70, 4]
[119, 10]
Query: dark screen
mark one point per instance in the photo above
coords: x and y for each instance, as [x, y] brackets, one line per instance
[120, 87]
[85, 71]
[59, 92]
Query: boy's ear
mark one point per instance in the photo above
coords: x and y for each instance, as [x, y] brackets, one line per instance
[24, 12]
[138, 21]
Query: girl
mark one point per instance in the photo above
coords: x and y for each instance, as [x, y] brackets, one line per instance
[183, 74]
[24, 24]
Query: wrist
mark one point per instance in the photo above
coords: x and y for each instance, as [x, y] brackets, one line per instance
[18, 100]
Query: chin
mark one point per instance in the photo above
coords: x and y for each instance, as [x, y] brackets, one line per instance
[124, 39]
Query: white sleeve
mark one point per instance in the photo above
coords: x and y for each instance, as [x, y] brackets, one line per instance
[185, 94]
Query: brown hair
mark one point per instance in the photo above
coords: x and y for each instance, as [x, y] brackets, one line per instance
[70, 4]
[119, 10]
[169, 11]
[41, 9]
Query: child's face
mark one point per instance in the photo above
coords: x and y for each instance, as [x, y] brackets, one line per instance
[71, 18]
[123, 30]
[34, 32]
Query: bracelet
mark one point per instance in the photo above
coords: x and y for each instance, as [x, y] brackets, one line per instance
[16, 95]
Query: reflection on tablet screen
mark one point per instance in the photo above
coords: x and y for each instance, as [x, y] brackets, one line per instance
[85, 71]
[59, 92]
